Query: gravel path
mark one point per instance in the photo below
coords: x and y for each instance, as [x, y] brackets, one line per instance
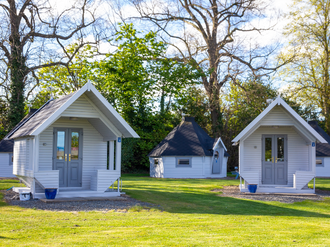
[233, 191]
[105, 205]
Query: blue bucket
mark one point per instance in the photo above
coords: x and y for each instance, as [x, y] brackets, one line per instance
[252, 188]
[50, 193]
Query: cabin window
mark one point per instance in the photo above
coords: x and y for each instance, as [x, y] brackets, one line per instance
[156, 162]
[319, 162]
[216, 155]
[183, 162]
[11, 159]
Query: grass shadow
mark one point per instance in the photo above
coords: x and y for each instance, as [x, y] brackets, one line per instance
[194, 196]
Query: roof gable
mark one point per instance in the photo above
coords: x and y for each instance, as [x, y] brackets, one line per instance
[219, 141]
[52, 110]
[290, 113]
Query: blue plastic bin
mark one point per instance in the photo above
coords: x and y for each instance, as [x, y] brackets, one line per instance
[50, 193]
[252, 188]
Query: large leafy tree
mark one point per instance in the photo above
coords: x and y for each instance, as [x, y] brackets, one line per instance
[137, 79]
[31, 32]
[309, 34]
[242, 104]
[211, 35]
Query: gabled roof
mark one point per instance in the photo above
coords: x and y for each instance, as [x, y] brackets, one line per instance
[53, 109]
[279, 101]
[186, 139]
[322, 149]
[217, 141]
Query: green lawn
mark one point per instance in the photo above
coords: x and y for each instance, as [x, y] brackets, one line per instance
[320, 183]
[192, 216]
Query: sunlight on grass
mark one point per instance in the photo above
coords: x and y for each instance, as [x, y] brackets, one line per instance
[188, 213]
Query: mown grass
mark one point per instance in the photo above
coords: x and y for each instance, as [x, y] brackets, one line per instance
[192, 215]
[320, 183]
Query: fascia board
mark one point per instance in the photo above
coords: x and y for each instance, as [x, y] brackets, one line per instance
[255, 121]
[114, 112]
[59, 111]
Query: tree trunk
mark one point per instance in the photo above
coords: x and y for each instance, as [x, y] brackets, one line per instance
[18, 70]
[216, 115]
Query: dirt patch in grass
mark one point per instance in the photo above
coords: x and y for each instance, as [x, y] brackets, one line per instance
[233, 191]
[12, 198]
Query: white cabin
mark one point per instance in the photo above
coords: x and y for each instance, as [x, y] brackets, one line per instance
[277, 151]
[322, 152]
[189, 152]
[6, 158]
[63, 145]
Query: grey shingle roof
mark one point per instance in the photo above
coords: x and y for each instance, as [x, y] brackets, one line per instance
[40, 116]
[6, 144]
[322, 149]
[186, 139]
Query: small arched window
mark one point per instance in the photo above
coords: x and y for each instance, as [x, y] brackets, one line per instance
[216, 155]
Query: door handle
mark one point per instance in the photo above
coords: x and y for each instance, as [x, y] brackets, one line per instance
[65, 157]
[275, 159]
[69, 157]
[272, 159]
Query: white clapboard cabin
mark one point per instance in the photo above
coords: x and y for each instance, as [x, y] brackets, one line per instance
[6, 158]
[6, 152]
[322, 152]
[189, 152]
[277, 151]
[63, 145]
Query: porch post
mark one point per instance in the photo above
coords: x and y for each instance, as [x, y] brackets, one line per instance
[118, 154]
[313, 158]
[111, 154]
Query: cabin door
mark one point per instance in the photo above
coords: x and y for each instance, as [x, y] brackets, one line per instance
[68, 156]
[216, 167]
[274, 159]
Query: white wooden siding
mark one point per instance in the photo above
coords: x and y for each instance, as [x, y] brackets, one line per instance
[6, 169]
[94, 148]
[81, 108]
[301, 179]
[297, 151]
[21, 162]
[323, 171]
[103, 179]
[158, 171]
[172, 171]
[48, 179]
[279, 116]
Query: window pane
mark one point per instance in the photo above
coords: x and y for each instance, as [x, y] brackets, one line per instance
[74, 145]
[60, 145]
[183, 161]
[268, 149]
[318, 162]
[280, 149]
[155, 162]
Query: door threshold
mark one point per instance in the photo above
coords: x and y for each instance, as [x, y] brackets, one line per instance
[70, 188]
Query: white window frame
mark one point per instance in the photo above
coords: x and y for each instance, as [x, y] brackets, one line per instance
[319, 165]
[183, 158]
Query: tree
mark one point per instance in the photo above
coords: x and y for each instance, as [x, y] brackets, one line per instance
[30, 31]
[242, 106]
[137, 79]
[210, 35]
[309, 31]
